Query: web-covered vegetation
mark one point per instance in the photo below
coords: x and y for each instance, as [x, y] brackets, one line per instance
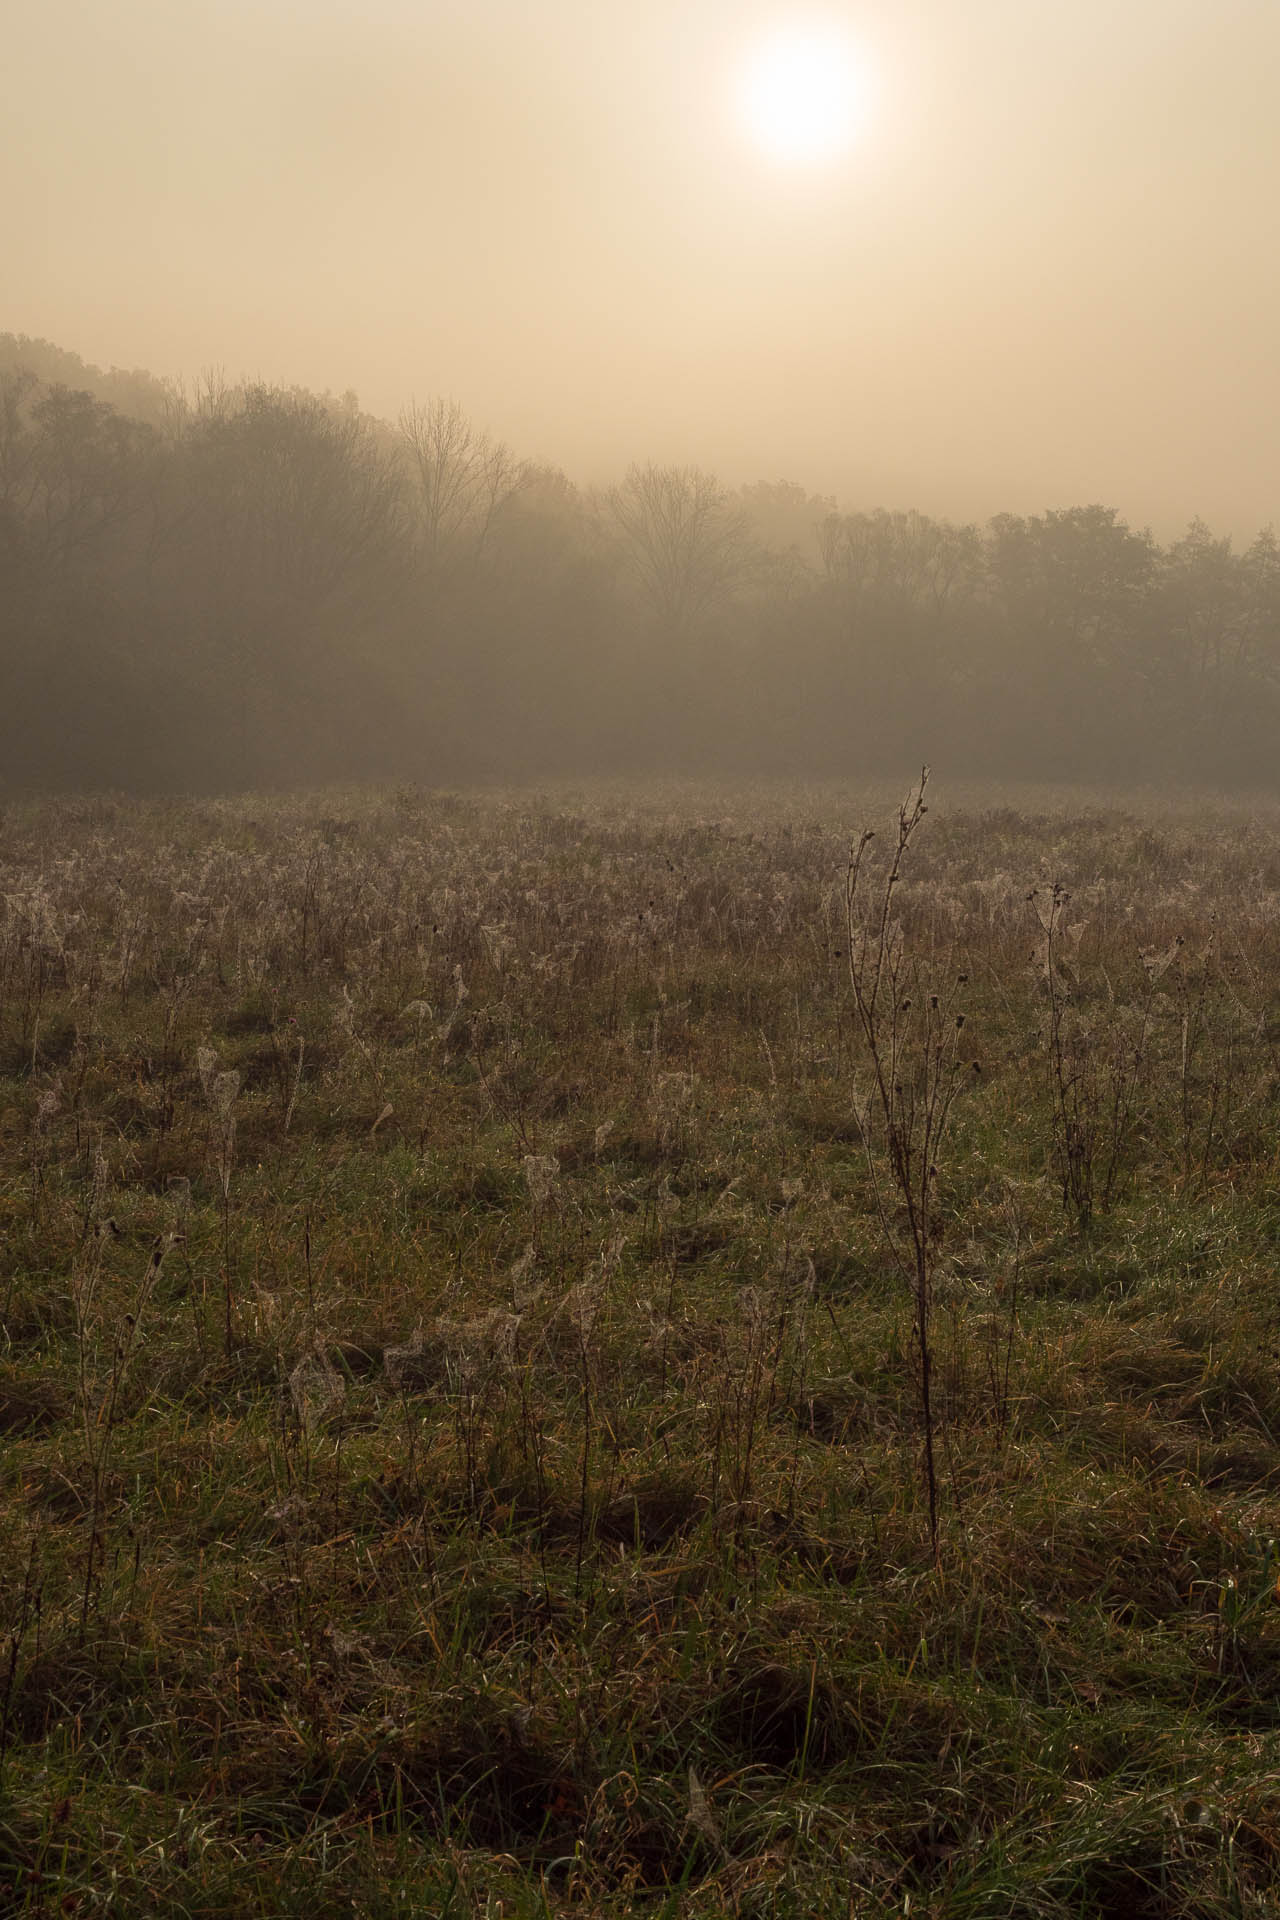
[463, 1440]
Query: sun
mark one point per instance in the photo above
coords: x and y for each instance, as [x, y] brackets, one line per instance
[803, 92]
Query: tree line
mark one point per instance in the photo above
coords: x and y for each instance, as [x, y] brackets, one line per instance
[245, 585]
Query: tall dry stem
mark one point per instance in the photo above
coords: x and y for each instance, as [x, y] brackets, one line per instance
[910, 1023]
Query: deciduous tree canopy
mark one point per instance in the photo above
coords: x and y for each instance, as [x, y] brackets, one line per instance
[254, 585]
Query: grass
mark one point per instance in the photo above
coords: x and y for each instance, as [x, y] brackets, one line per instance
[461, 1408]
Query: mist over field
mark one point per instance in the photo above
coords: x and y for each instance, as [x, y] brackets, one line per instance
[237, 586]
[601, 1317]
[786, 388]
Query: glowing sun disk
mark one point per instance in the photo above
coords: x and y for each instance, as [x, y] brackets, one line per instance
[802, 93]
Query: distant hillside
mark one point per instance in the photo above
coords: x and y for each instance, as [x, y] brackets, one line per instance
[131, 391]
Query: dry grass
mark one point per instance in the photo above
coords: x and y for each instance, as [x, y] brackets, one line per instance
[462, 1413]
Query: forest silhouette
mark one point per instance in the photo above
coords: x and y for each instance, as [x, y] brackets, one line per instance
[244, 586]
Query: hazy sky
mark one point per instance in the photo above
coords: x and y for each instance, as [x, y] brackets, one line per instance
[1044, 272]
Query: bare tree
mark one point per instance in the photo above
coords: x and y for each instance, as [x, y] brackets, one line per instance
[298, 507]
[686, 537]
[900, 559]
[462, 478]
[74, 474]
[19, 463]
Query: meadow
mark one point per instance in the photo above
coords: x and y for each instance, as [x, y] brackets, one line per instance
[485, 1277]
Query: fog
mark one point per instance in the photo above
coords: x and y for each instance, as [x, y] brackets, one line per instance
[241, 586]
[504, 393]
[1041, 272]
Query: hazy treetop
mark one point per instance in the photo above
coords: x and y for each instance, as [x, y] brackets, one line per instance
[1041, 269]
